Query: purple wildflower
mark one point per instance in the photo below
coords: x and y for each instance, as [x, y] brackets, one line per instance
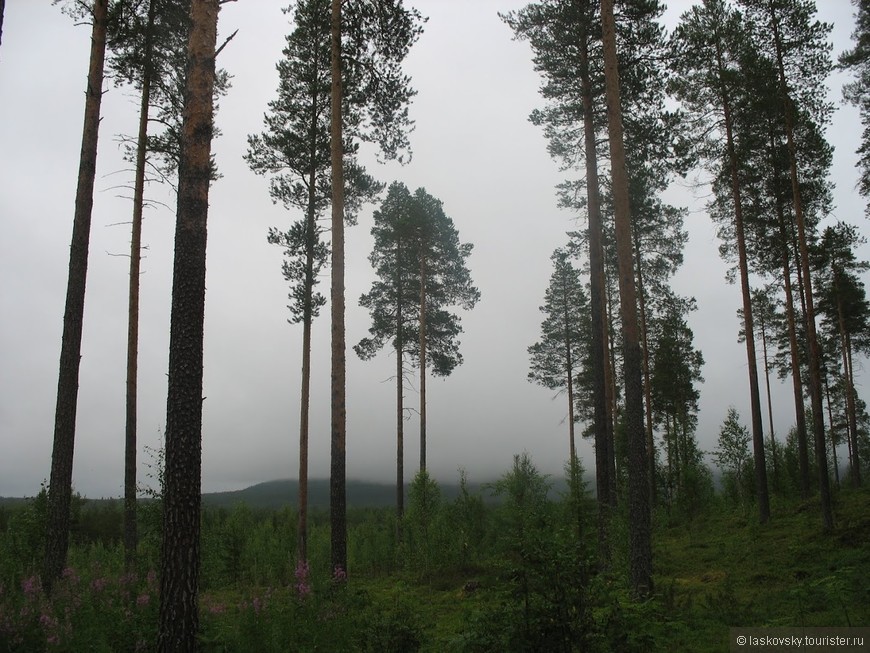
[30, 586]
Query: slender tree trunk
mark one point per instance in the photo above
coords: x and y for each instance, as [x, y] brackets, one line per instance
[833, 432]
[763, 326]
[609, 454]
[640, 527]
[180, 556]
[2, 11]
[400, 399]
[422, 363]
[302, 518]
[307, 319]
[672, 455]
[60, 484]
[598, 309]
[647, 384]
[848, 383]
[854, 441]
[748, 327]
[569, 373]
[130, 527]
[813, 343]
[337, 482]
[797, 383]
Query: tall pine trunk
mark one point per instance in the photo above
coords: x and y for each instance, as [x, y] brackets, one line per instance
[400, 399]
[307, 319]
[832, 432]
[178, 620]
[773, 454]
[761, 492]
[640, 526]
[422, 362]
[569, 374]
[60, 484]
[794, 351]
[597, 298]
[810, 315]
[337, 478]
[647, 383]
[130, 527]
[849, 385]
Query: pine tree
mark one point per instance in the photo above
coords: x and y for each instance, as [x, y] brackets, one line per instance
[369, 43]
[676, 368]
[798, 46]
[393, 305]
[640, 529]
[60, 483]
[423, 276]
[709, 43]
[444, 282]
[178, 620]
[845, 310]
[557, 357]
[294, 152]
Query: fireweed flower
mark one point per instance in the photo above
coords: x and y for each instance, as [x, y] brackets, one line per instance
[303, 586]
[70, 574]
[339, 575]
[30, 586]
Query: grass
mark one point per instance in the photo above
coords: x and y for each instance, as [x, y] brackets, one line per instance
[719, 570]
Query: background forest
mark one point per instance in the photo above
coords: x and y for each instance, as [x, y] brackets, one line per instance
[654, 120]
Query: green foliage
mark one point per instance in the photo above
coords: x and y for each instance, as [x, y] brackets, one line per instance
[857, 92]
[733, 457]
[419, 262]
[425, 535]
[565, 331]
[468, 516]
[529, 583]
[545, 604]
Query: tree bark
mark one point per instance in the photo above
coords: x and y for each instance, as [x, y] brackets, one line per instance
[60, 484]
[180, 557]
[640, 527]
[337, 481]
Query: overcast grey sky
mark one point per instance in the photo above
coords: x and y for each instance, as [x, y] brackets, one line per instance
[473, 148]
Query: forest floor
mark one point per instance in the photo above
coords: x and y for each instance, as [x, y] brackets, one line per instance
[720, 570]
